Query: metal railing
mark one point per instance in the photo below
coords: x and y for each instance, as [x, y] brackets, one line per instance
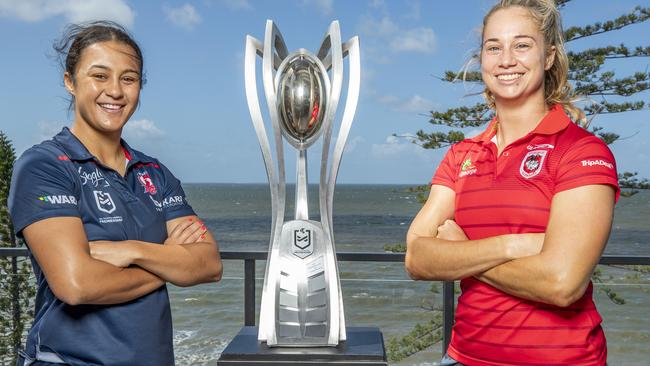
[448, 300]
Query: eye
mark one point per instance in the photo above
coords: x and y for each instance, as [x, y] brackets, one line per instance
[492, 49]
[522, 46]
[100, 77]
[130, 79]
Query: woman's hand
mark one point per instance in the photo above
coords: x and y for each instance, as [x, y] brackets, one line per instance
[449, 230]
[118, 254]
[187, 232]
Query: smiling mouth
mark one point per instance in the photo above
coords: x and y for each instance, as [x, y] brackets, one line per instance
[509, 77]
[111, 108]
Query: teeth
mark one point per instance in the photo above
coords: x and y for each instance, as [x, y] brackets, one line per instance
[509, 76]
[111, 106]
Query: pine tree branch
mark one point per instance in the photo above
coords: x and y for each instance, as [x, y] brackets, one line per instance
[639, 15]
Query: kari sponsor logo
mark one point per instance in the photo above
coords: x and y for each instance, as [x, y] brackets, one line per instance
[532, 163]
[597, 162]
[172, 201]
[467, 168]
[59, 199]
[95, 178]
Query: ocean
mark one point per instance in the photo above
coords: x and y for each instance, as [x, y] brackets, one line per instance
[367, 217]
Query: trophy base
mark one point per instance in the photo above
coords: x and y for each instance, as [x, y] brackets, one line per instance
[364, 346]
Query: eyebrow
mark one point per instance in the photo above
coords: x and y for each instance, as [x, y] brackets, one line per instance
[518, 36]
[108, 68]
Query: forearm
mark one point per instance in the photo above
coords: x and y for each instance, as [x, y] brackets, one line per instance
[538, 278]
[102, 283]
[430, 258]
[182, 265]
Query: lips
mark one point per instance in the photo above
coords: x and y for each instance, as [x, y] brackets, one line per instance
[110, 107]
[509, 77]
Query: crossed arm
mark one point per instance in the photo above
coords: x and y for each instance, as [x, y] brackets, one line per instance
[79, 272]
[552, 267]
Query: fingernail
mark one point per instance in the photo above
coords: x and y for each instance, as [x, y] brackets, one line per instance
[190, 219]
[203, 236]
[203, 227]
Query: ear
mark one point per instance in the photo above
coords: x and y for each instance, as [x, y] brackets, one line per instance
[550, 58]
[68, 81]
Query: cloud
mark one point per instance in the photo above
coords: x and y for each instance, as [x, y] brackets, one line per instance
[352, 143]
[325, 6]
[385, 31]
[185, 16]
[399, 147]
[415, 104]
[237, 4]
[142, 129]
[47, 129]
[415, 40]
[75, 11]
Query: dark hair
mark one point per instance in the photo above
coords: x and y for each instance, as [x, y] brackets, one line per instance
[77, 37]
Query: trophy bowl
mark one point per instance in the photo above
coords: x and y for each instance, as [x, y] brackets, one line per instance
[301, 97]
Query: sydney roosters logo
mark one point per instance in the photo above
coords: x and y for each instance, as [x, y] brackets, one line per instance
[147, 183]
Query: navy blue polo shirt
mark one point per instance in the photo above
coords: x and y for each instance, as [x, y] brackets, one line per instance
[59, 177]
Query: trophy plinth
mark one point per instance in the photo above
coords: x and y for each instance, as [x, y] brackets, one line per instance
[301, 302]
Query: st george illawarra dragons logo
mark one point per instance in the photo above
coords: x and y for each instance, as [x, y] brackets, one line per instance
[532, 163]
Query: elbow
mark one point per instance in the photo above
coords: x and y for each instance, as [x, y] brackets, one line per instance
[565, 291]
[217, 271]
[71, 292]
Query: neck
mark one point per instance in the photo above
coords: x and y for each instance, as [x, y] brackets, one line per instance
[105, 147]
[517, 119]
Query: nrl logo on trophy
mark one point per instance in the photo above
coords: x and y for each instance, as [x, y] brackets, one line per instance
[301, 300]
[302, 243]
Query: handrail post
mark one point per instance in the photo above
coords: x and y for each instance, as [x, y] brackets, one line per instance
[447, 313]
[249, 292]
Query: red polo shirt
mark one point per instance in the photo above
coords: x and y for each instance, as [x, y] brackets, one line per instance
[509, 194]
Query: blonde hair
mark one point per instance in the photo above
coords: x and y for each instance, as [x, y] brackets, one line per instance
[557, 89]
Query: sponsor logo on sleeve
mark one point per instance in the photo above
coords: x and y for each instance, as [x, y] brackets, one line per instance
[172, 201]
[599, 162]
[59, 199]
[467, 168]
[145, 181]
[532, 163]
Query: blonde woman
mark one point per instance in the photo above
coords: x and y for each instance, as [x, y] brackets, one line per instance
[522, 212]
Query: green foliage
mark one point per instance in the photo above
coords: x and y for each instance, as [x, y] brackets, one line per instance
[630, 184]
[419, 338]
[395, 248]
[16, 288]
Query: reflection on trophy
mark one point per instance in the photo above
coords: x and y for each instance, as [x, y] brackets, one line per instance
[301, 300]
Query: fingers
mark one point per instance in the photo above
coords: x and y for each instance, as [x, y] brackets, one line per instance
[190, 231]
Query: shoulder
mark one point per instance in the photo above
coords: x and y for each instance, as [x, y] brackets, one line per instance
[46, 156]
[576, 141]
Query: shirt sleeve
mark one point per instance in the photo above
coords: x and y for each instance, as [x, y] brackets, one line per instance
[588, 162]
[41, 188]
[446, 173]
[175, 202]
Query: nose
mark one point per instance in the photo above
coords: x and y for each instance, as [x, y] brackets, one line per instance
[114, 88]
[507, 58]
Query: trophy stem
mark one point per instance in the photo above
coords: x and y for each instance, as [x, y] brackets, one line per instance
[302, 207]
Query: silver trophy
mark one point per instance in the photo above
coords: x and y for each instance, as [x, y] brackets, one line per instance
[302, 303]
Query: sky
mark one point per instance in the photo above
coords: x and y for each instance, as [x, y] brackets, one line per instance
[193, 114]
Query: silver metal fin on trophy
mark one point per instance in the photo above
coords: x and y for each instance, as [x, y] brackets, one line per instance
[302, 303]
